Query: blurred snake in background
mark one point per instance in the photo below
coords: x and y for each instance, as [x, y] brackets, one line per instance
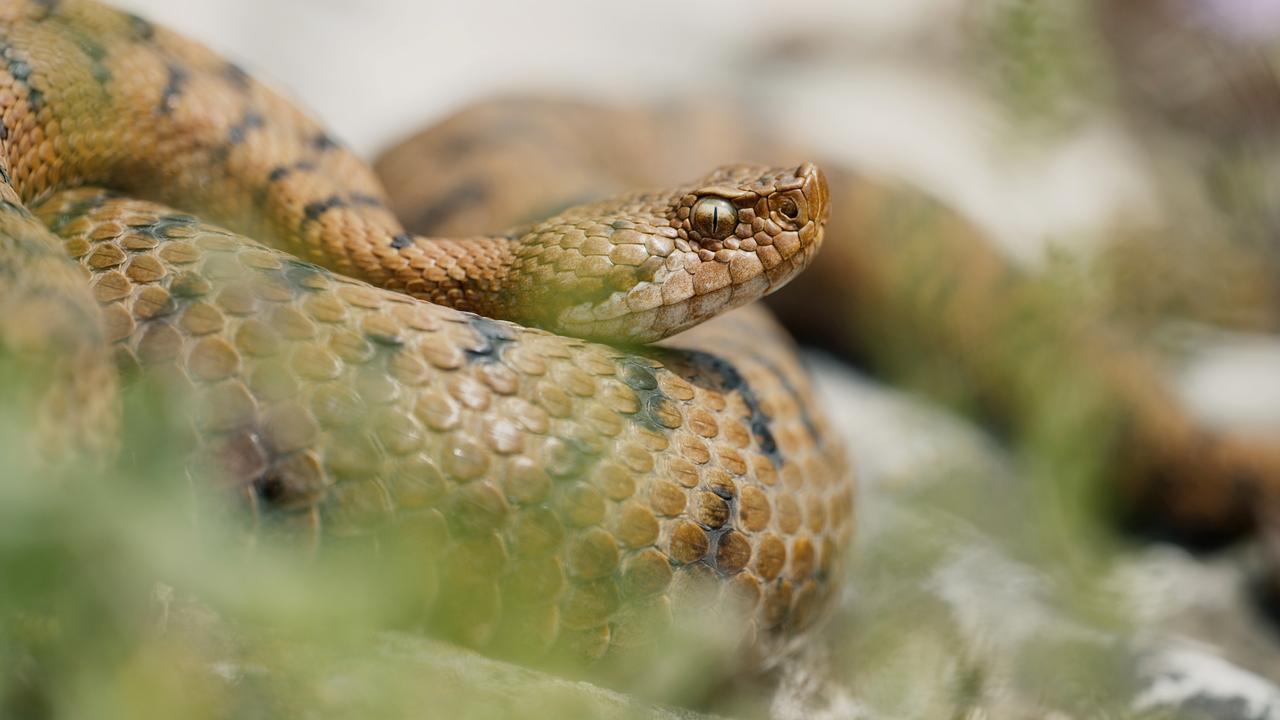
[485, 394]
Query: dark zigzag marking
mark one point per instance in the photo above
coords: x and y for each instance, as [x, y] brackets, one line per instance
[280, 172]
[92, 49]
[251, 120]
[314, 210]
[805, 417]
[494, 337]
[178, 77]
[20, 70]
[143, 30]
[728, 379]
[48, 7]
[236, 76]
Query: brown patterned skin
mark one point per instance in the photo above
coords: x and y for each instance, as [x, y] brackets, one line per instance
[560, 481]
[907, 286]
[557, 496]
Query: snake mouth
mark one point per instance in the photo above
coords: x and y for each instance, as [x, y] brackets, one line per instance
[645, 266]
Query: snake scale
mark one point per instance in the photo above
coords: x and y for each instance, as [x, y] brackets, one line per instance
[563, 494]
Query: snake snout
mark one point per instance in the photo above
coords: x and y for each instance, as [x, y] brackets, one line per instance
[814, 187]
[791, 214]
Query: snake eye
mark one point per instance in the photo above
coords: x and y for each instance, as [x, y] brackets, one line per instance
[788, 207]
[714, 218]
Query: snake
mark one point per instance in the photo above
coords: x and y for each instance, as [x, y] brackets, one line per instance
[507, 408]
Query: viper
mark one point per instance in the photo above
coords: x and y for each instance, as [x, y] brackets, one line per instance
[487, 404]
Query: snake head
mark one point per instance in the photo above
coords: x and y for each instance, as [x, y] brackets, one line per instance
[645, 266]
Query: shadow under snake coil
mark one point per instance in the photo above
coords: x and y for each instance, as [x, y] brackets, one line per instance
[561, 492]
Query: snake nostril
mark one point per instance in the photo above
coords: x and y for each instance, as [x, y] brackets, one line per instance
[789, 208]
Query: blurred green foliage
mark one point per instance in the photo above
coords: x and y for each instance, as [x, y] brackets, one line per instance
[1044, 60]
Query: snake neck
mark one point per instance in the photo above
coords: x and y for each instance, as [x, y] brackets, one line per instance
[470, 274]
[364, 241]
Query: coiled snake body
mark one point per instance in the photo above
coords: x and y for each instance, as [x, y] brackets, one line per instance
[561, 492]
